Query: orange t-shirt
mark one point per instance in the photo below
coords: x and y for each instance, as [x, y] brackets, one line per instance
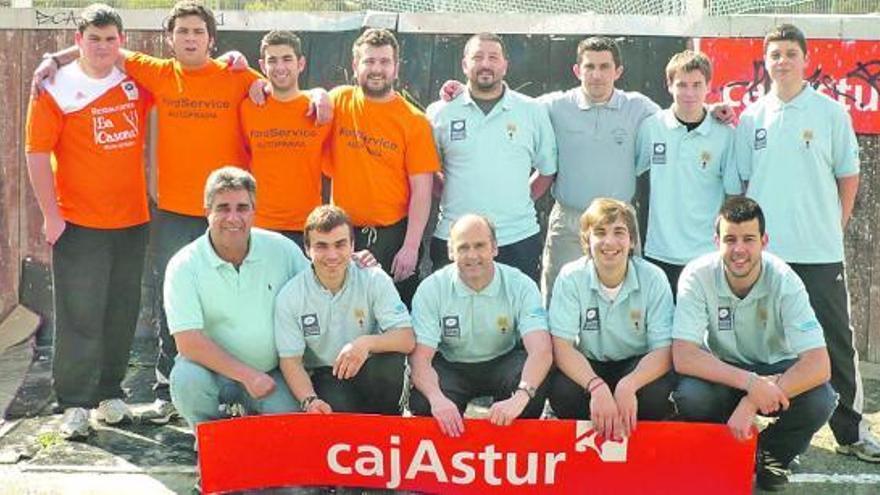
[94, 129]
[286, 150]
[375, 147]
[198, 129]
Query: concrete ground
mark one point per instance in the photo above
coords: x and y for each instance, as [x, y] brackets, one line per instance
[147, 459]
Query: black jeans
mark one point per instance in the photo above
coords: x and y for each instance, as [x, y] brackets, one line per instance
[462, 382]
[376, 389]
[524, 255]
[97, 279]
[384, 243]
[702, 401]
[570, 401]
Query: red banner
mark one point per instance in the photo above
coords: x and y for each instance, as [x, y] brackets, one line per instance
[531, 456]
[848, 71]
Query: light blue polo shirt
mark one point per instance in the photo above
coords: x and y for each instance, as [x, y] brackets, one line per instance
[792, 154]
[636, 322]
[233, 308]
[472, 327]
[487, 161]
[773, 323]
[312, 322]
[690, 174]
[597, 144]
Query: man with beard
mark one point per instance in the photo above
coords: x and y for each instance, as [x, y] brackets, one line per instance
[746, 341]
[490, 138]
[382, 160]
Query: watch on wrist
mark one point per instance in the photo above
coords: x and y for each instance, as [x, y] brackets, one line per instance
[528, 389]
[304, 405]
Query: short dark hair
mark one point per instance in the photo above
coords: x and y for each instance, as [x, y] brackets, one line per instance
[740, 209]
[98, 15]
[229, 178]
[375, 37]
[276, 38]
[491, 37]
[324, 219]
[786, 32]
[688, 61]
[187, 8]
[599, 44]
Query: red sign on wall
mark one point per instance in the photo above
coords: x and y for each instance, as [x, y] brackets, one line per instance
[531, 456]
[848, 71]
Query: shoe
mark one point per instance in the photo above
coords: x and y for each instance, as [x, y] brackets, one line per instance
[161, 412]
[75, 424]
[866, 449]
[114, 412]
[772, 475]
[795, 465]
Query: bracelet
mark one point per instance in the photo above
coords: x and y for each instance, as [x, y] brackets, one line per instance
[308, 401]
[752, 377]
[596, 386]
[590, 381]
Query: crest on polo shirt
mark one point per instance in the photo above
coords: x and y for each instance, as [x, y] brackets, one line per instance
[635, 315]
[705, 158]
[658, 154]
[131, 90]
[310, 325]
[591, 320]
[760, 138]
[619, 135]
[458, 130]
[725, 319]
[451, 326]
[503, 323]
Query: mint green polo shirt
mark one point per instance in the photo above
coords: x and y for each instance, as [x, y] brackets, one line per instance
[690, 174]
[597, 144]
[233, 308]
[636, 322]
[487, 161]
[472, 327]
[773, 323]
[791, 154]
[312, 322]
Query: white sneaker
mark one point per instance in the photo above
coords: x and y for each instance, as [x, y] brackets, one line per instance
[75, 424]
[160, 412]
[114, 411]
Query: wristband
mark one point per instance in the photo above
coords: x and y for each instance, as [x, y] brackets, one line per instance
[596, 386]
[591, 380]
[304, 405]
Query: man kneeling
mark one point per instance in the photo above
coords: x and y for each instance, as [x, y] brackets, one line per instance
[748, 342]
[342, 332]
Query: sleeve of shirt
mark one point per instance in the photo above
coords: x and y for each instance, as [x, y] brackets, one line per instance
[802, 329]
[545, 142]
[845, 146]
[327, 157]
[743, 147]
[244, 121]
[565, 308]
[691, 320]
[183, 306]
[299, 262]
[643, 147]
[648, 108]
[44, 124]
[426, 313]
[729, 173]
[659, 308]
[147, 70]
[421, 154]
[289, 339]
[389, 310]
[531, 315]
[437, 129]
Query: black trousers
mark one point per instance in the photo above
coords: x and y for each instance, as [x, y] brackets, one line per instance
[97, 280]
[384, 243]
[826, 286]
[570, 401]
[173, 231]
[462, 382]
[790, 435]
[376, 389]
[524, 254]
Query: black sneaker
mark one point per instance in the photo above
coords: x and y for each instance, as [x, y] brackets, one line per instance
[772, 475]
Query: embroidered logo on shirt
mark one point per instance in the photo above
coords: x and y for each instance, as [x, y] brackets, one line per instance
[658, 157]
[451, 327]
[511, 130]
[591, 320]
[310, 325]
[359, 316]
[760, 138]
[808, 136]
[131, 90]
[725, 319]
[705, 158]
[503, 323]
[619, 135]
[458, 130]
[636, 316]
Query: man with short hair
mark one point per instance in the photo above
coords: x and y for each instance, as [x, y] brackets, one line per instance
[690, 157]
[285, 144]
[92, 119]
[381, 160]
[342, 332]
[747, 342]
[799, 158]
[489, 139]
[219, 297]
[475, 312]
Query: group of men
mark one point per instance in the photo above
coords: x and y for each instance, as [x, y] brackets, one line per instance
[254, 327]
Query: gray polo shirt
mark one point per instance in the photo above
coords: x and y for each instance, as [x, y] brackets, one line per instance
[597, 144]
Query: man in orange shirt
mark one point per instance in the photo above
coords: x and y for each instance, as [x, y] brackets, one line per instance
[381, 160]
[285, 144]
[91, 120]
